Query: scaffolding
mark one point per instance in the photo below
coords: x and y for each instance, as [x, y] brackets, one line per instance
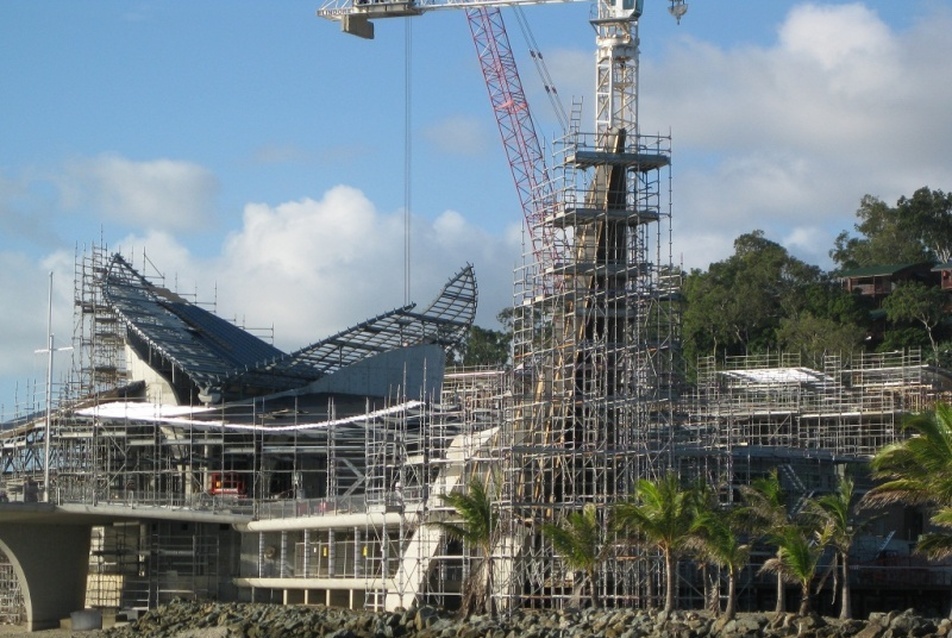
[388, 553]
[850, 409]
[750, 415]
[345, 488]
[12, 608]
[98, 337]
[595, 350]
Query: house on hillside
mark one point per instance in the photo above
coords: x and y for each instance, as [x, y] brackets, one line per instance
[944, 272]
[877, 282]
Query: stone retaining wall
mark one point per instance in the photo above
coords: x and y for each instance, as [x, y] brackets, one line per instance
[197, 619]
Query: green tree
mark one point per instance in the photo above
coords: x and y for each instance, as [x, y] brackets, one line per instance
[716, 538]
[707, 312]
[938, 545]
[918, 471]
[486, 347]
[578, 540]
[837, 514]
[767, 513]
[820, 318]
[911, 301]
[661, 514]
[916, 229]
[477, 526]
[816, 337]
[736, 307]
[797, 559]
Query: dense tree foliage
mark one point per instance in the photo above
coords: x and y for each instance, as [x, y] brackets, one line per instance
[487, 347]
[762, 298]
[917, 303]
[916, 229]
[735, 307]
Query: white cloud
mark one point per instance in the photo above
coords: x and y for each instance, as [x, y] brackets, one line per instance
[159, 194]
[311, 268]
[838, 37]
[23, 327]
[809, 243]
[791, 136]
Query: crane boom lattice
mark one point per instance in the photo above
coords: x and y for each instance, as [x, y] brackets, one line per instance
[516, 128]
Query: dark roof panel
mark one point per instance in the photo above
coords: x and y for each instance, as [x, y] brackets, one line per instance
[215, 354]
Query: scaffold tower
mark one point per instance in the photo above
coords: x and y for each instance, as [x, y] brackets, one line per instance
[595, 351]
[98, 337]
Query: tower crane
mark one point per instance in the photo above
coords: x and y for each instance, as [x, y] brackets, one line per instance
[593, 359]
[616, 83]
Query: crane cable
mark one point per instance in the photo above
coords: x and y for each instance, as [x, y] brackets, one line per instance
[536, 54]
[407, 155]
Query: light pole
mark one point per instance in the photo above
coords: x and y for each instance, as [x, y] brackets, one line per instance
[50, 349]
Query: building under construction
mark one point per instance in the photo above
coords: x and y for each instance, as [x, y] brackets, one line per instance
[314, 485]
[234, 470]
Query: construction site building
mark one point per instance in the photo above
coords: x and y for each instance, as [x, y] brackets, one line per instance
[328, 493]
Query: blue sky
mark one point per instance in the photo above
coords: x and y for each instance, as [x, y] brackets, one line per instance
[256, 154]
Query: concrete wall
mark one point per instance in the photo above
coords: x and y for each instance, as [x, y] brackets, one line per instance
[51, 563]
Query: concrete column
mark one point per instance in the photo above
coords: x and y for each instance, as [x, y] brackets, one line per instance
[51, 562]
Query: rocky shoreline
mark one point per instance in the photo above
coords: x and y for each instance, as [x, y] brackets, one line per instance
[206, 619]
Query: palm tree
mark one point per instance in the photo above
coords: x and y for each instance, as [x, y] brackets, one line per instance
[918, 471]
[715, 539]
[835, 511]
[660, 513]
[578, 540]
[796, 561]
[766, 511]
[938, 545]
[478, 526]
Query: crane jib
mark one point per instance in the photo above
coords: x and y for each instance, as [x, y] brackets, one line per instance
[340, 9]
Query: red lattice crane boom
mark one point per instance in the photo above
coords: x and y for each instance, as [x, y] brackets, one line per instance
[516, 128]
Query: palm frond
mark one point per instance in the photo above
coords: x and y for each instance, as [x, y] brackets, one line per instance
[935, 545]
[917, 470]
